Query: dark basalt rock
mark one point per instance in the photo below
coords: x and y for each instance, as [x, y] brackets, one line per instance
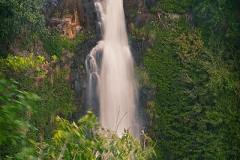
[150, 3]
[79, 83]
[89, 14]
[146, 94]
[78, 66]
[137, 48]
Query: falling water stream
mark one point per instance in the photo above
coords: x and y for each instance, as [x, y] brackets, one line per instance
[110, 71]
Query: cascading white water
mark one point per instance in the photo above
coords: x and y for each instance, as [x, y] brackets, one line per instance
[116, 85]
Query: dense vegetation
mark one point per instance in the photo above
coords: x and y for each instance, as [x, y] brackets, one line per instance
[19, 18]
[53, 42]
[83, 140]
[34, 107]
[193, 67]
[195, 113]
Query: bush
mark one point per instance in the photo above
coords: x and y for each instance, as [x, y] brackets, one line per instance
[15, 113]
[54, 43]
[19, 18]
[175, 6]
[88, 140]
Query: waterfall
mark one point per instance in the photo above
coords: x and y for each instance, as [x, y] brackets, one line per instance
[110, 69]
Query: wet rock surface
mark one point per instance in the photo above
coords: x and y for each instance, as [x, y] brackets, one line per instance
[79, 82]
[136, 12]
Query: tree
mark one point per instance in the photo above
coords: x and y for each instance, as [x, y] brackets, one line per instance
[219, 18]
[19, 17]
[196, 101]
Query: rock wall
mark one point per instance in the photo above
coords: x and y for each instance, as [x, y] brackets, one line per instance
[84, 14]
[136, 12]
[80, 75]
[70, 16]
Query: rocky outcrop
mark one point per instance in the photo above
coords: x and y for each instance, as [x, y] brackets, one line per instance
[84, 14]
[136, 12]
[90, 16]
[70, 16]
[79, 83]
[68, 26]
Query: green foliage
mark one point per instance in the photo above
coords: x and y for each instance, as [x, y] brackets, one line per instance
[54, 57]
[153, 10]
[27, 65]
[57, 99]
[88, 140]
[15, 114]
[136, 34]
[144, 33]
[195, 72]
[26, 41]
[66, 11]
[143, 78]
[134, 12]
[19, 17]
[150, 104]
[51, 84]
[57, 14]
[196, 98]
[174, 6]
[54, 43]
[218, 18]
[219, 21]
[188, 45]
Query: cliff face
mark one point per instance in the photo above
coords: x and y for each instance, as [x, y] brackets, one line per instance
[135, 12]
[77, 14]
[70, 16]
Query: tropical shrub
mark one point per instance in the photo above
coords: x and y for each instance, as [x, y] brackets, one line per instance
[188, 45]
[197, 93]
[174, 6]
[88, 140]
[25, 64]
[15, 113]
[54, 44]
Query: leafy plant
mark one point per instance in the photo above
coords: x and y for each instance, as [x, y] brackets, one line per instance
[147, 32]
[54, 43]
[150, 104]
[88, 140]
[27, 65]
[174, 6]
[188, 45]
[56, 99]
[143, 78]
[154, 9]
[19, 17]
[15, 113]
[66, 11]
[134, 12]
[57, 14]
